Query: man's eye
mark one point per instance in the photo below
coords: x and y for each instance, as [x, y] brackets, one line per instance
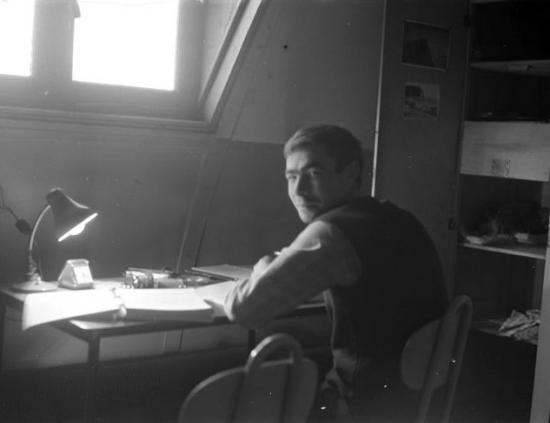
[314, 173]
[290, 177]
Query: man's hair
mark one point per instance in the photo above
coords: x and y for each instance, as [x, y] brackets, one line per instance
[337, 142]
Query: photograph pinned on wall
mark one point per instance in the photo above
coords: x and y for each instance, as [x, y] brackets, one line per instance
[425, 45]
[421, 101]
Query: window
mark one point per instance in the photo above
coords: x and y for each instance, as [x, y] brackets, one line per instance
[135, 47]
[16, 23]
[131, 57]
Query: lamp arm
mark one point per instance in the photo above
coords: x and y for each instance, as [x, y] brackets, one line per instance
[32, 263]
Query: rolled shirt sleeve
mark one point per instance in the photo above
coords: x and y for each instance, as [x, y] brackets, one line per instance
[319, 258]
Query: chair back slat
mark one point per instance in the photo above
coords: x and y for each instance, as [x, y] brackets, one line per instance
[432, 357]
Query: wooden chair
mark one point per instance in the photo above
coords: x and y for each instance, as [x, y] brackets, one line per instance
[261, 391]
[432, 358]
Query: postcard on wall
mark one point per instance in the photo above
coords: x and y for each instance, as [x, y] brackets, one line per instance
[425, 45]
[421, 100]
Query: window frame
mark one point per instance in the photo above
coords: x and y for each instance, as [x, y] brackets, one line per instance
[50, 85]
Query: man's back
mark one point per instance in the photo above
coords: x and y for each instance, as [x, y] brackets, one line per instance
[400, 288]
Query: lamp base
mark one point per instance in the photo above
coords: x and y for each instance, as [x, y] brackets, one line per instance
[35, 286]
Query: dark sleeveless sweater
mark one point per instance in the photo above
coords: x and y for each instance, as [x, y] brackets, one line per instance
[400, 288]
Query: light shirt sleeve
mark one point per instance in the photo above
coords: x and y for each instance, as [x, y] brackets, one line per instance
[319, 258]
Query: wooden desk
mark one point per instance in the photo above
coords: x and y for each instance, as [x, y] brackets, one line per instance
[92, 330]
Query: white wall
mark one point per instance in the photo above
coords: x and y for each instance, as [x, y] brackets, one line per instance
[319, 63]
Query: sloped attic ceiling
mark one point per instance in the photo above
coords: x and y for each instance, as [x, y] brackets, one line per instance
[230, 26]
[290, 63]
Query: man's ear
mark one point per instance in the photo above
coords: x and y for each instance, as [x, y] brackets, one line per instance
[352, 172]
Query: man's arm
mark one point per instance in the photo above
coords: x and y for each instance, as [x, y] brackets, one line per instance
[319, 258]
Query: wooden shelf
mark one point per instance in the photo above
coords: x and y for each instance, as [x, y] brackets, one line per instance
[491, 326]
[506, 155]
[517, 150]
[532, 251]
[523, 67]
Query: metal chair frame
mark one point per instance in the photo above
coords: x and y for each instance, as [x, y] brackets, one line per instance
[268, 391]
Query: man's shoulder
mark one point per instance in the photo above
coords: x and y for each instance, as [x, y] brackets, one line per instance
[383, 211]
[362, 208]
[373, 218]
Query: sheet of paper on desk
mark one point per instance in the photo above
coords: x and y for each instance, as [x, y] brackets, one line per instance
[58, 305]
[166, 304]
[151, 304]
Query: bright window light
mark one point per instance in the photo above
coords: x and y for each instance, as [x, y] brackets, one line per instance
[16, 30]
[126, 42]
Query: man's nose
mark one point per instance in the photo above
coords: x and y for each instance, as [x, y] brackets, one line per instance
[302, 185]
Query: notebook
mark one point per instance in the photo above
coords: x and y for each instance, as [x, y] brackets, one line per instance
[225, 271]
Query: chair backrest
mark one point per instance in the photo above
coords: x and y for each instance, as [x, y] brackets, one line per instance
[432, 357]
[268, 391]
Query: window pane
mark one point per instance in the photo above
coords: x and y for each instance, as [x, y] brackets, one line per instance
[126, 42]
[16, 28]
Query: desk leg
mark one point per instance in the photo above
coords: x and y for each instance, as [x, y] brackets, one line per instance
[91, 383]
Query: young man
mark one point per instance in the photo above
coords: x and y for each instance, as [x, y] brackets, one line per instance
[375, 263]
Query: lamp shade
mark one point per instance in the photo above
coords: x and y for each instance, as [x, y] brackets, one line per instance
[70, 216]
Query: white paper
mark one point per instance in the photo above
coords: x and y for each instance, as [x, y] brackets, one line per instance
[157, 304]
[47, 307]
[181, 299]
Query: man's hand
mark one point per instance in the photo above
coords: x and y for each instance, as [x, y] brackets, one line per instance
[262, 264]
[217, 308]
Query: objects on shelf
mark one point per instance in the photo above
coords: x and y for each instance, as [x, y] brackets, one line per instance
[522, 326]
[521, 222]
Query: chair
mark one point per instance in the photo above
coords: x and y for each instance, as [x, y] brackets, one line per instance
[432, 357]
[266, 391]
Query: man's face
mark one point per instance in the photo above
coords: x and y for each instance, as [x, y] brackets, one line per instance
[314, 185]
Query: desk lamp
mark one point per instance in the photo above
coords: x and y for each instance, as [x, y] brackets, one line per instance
[70, 219]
